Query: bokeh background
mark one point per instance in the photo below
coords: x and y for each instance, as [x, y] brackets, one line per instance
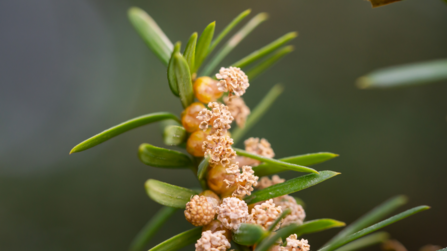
[70, 69]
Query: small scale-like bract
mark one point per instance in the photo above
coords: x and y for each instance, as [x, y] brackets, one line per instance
[238, 109]
[265, 214]
[265, 182]
[212, 241]
[218, 146]
[199, 211]
[297, 213]
[219, 117]
[293, 244]
[232, 213]
[232, 80]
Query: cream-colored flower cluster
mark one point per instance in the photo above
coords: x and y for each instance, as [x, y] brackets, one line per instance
[265, 182]
[297, 213]
[219, 116]
[244, 180]
[238, 109]
[218, 146]
[232, 212]
[293, 244]
[199, 211]
[257, 146]
[232, 80]
[212, 241]
[265, 214]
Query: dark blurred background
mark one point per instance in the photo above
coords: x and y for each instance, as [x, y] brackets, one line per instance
[70, 69]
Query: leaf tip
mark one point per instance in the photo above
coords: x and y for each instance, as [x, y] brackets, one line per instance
[263, 16]
[363, 83]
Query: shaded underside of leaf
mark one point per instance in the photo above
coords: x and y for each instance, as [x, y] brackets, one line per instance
[174, 135]
[183, 76]
[179, 241]
[167, 194]
[190, 50]
[203, 166]
[290, 186]
[317, 226]
[161, 157]
[172, 79]
[121, 128]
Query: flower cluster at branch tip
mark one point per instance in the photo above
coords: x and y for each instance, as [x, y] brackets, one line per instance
[232, 80]
[293, 244]
[199, 211]
[238, 109]
[212, 241]
[265, 214]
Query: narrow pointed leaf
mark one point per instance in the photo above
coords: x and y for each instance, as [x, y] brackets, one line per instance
[190, 50]
[283, 215]
[227, 29]
[249, 234]
[405, 75]
[282, 233]
[290, 186]
[275, 162]
[269, 62]
[203, 166]
[371, 217]
[172, 79]
[183, 76]
[174, 135]
[233, 42]
[366, 241]
[152, 35]
[161, 157]
[152, 227]
[203, 45]
[258, 112]
[179, 241]
[121, 128]
[317, 226]
[167, 194]
[265, 169]
[373, 228]
[256, 55]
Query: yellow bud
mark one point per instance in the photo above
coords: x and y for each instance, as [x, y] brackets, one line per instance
[189, 117]
[206, 90]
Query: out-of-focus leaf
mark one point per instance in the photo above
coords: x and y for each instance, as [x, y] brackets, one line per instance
[233, 42]
[174, 135]
[347, 239]
[317, 226]
[183, 76]
[161, 157]
[299, 201]
[258, 112]
[152, 35]
[283, 233]
[227, 29]
[366, 241]
[378, 3]
[172, 79]
[275, 162]
[269, 62]
[290, 186]
[203, 166]
[265, 169]
[371, 217]
[149, 230]
[167, 194]
[190, 50]
[256, 55]
[179, 241]
[405, 75]
[249, 234]
[121, 128]
[283, 215]
[203, 46]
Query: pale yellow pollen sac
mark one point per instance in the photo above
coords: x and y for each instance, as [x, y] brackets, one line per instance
[200, 210]
[293, 244]
[213, 241]
[232, 213]
[265, 214]
[265, 182]
[232, 80]
[297, 213]
[219, 117]
[218, 146]
[238, 109]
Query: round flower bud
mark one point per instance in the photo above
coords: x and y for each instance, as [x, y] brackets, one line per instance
[199, 211]
[293, 244]
[213, 241]
[189, 117]
[195, 143]
[215, 226]
[206, 90]
[265, 214]
[216, 180]
[232, 213]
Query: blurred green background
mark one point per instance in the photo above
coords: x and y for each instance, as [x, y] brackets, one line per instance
[70, 69]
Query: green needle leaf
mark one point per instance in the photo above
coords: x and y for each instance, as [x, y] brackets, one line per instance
[152, 35]
[371, 217]
[249, 234]
[373, 228]
[269, 62]
[174, 135]
[258, 112]
[190, 50]
[203, 45]
[183, 76]
[317, 226]
[233, 42]
[405, 75]
[276, 163]
[172, 79]
[265, 50]
[203, 166]
[366, 241]
[161, 157]
[152, 227]
[227, 29]
[121, 128]
[265, 169]
[290, 186]
[167, 194]
[283, 215]
[283, 233]
[179, 241]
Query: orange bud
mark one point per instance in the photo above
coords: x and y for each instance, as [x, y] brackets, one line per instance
[189, 117]
[206, 90]
[215, 180]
